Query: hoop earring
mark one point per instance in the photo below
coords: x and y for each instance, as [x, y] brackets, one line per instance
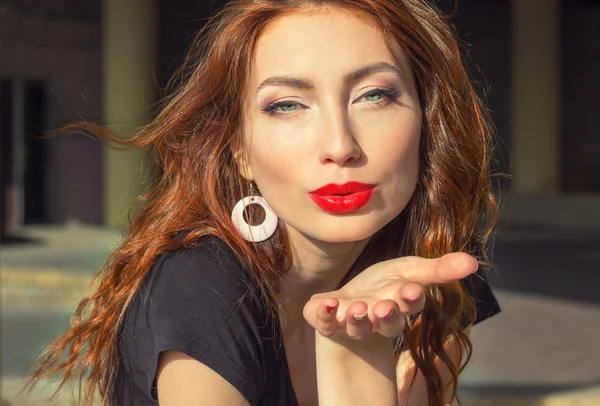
[260, 232]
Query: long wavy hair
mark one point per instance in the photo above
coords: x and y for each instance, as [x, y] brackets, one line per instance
[196, 183]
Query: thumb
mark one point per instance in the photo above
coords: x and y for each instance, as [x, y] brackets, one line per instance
[445, 269]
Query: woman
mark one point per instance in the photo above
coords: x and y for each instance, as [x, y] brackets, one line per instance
[354, 127]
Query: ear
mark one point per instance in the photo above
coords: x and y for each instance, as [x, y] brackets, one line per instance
[241, 158]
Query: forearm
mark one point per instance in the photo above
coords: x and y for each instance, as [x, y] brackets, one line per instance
[356, 372]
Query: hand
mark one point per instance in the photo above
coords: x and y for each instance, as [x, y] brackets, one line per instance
[379, 299]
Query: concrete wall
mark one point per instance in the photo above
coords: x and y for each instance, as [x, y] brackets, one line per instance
[580, 94]
[58, 42]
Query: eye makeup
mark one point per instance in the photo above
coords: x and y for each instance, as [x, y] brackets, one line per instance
[280, 108]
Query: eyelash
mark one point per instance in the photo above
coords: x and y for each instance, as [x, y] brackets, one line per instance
[388, 95]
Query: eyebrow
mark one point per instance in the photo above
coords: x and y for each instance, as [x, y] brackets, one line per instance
[349, 78]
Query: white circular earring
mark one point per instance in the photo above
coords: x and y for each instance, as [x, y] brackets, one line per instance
[257, 233]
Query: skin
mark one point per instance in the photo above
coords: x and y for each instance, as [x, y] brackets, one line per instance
[329, 134]
[332, 132]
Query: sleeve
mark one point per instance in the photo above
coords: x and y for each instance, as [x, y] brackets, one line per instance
[478, 287]
[195, 304]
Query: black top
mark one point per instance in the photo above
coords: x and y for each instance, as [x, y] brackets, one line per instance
[200, 301]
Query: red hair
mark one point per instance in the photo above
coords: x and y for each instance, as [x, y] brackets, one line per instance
[197, 183]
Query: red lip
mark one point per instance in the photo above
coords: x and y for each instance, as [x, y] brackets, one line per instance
[344, 198]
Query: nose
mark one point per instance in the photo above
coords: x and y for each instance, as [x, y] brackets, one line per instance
[337, 144]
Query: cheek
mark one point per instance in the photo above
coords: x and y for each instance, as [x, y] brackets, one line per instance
[277, 171]
[407, 159]
[398, 148]
[399, 158]
[273, 164]
[277, 152]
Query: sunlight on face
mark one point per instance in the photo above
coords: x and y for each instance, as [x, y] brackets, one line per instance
[328, 104]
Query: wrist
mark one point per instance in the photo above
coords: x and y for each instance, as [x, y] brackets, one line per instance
[342, 345]
[353, 372]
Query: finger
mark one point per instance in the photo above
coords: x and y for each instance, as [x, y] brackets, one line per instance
[311, 308]
[388, 320]
[358, 325]
[326, 322]
[448, 268]
[411, 298]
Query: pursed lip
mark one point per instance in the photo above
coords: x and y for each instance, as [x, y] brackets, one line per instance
[334, 189]
[346, 198]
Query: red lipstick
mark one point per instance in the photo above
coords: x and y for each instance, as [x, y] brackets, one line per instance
[344, 198]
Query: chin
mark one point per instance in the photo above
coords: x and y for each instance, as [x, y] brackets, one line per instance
[345, 230]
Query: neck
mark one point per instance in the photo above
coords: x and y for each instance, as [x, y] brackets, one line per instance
[317, 267]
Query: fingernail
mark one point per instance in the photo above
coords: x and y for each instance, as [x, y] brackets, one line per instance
[476, 264]
[390, 314]
[414, 299]
[359, 317]
[330, 309]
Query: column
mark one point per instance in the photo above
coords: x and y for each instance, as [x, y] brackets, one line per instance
[535, 109]
[129, 35]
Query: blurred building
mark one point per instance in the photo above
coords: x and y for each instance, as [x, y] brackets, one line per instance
[102, 61]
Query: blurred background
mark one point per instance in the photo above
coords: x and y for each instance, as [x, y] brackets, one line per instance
[64, 200]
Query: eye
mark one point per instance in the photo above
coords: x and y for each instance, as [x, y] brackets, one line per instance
[281, 108]
[374, 97]
[381, 95]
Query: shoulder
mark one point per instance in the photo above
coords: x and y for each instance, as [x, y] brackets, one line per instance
[208, 268]
[211, 258]
[199, 286]
[198, 301]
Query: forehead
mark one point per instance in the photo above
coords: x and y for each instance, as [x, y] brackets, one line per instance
[322, 41]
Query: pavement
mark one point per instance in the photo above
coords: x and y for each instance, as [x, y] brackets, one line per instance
[542, 350]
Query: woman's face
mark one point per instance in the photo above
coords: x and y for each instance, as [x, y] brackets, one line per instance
[328, 104]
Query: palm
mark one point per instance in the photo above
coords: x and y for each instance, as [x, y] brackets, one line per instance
[379, 299]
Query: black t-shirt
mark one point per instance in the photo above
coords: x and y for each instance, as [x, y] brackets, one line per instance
[200, 301]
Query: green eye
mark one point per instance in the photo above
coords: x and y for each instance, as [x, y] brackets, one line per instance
[380, 96]
[373, 97]
[288, 107]
[282, 108]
